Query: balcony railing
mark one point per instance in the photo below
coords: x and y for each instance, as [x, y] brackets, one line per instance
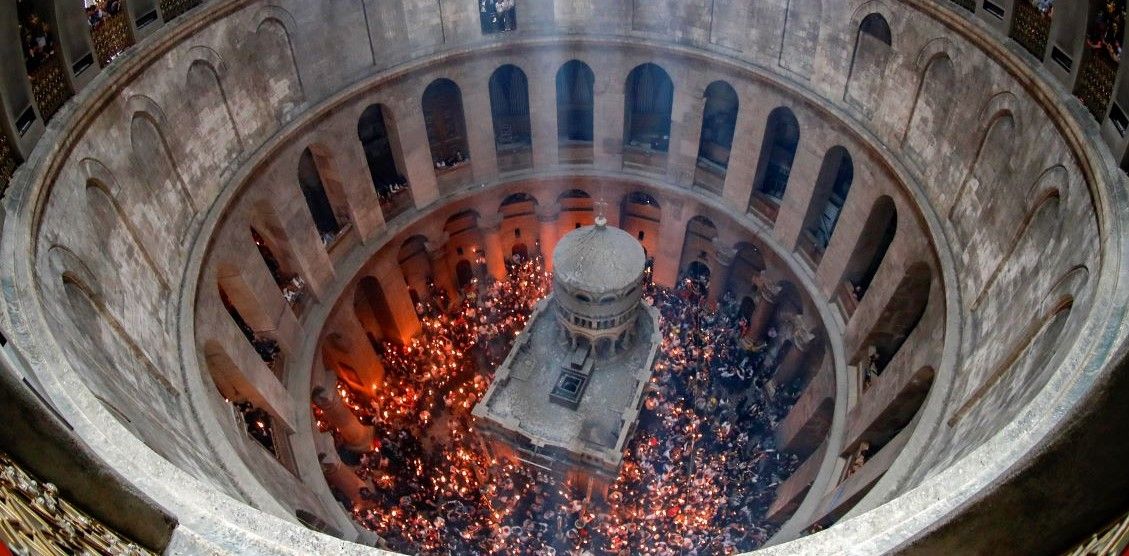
[1031, 28]
[8, 163]
[49, 85]
[1095, 81]
[111, 36]
[172, 9]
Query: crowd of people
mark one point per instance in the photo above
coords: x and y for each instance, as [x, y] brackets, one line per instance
[698, 475]
[35, 36]
[1106, 31]
[100, 10]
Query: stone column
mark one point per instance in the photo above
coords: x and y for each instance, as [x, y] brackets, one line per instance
[607, 132]
[356, 436]
[414, 150]
[766, 307]
[348, 173]
[491, 228]
[548, 228]
[720, 265]
[441, 267]
[480, 126]
[543, 114]
[685, 132]
[802, 337]
[672, 229]
[402, 315]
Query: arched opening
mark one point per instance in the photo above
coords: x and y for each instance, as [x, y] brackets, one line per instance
[899, 319]
[831, 188]
[931, 111]
[649, 99]
[509, 110]
[464, 274]
[719, 120]
[575, 102]
[372, 309]
[290, 284]
[896, 414]
[577, 209]
[415, 265]
[873, 48]
[446, 133]
[877, 235]
[267, 348]
[748, 262]
[640, 216]
[317, 201]
[698, 247]
[520, 252]
[778, 150]
[384, 154]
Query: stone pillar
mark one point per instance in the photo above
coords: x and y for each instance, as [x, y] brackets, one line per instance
[402, 315]
[802, 337]
[356, 436]
[672, 230]
[491, 228]
[548, 229]
[766, 307]
[685, 132]
[607, 132]
[344, 479]
[720, 265]
[480, 126]
[344, 170]
[415, 152]
[441, 267]
[543, 115]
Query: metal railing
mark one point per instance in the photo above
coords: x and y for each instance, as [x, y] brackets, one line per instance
[8, 163]
[1031, 28]
[1095, 81]
[171, 9]
[111, 36]
[49, 85]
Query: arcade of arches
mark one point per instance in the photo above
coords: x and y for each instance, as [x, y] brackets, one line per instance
[261, 281]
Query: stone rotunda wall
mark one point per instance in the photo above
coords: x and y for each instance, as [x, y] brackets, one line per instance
[139, 202]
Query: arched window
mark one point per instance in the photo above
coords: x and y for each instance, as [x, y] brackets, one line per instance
[372, 309]
[931, 111]
[509, 109]
[899, 319]
[697, 246]
[778, 150]
[873, 47]
[831, 189]
[316, 199]
[382, 149]
[877, 235]
[647, 108]
[719, 119]
[446, 130]
[575, 82]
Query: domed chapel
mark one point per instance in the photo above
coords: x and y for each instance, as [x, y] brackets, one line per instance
[563, 277]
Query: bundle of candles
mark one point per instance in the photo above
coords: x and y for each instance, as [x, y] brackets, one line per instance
[699, 474]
